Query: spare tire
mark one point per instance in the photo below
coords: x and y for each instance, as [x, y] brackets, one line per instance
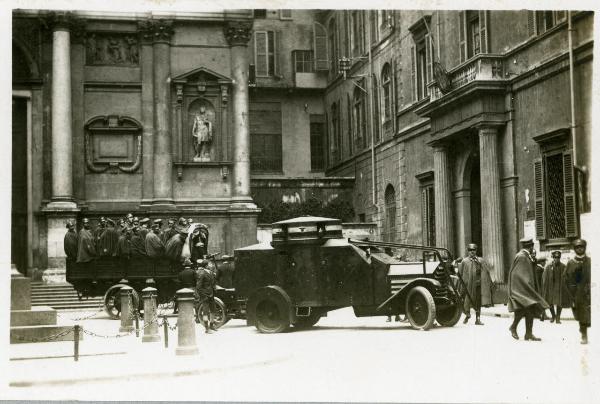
[270, 310]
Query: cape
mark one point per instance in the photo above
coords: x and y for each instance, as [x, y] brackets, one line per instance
[154, 245]
[70, 245]
[468, 271]
[522, 291]
[86, 248]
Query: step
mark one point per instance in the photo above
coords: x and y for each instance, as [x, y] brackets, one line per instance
[40, 315]
[42, 333]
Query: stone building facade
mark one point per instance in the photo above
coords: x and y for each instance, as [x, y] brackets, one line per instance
[194, 114]
[481, 133]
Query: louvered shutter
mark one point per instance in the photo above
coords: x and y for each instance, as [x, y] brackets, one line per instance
[462, 35]
[540, 214]
[260, 54]
[278, 53]
[431, 214]
[320, 47]
[571, 219]
[394, 95]
[413, 72]
[531, 23]
[483, 31]
[424, 216]
[428, 58]
[560, 15]
[326, 150]
[350, 125]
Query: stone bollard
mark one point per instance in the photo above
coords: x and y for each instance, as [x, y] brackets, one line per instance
[150, 319]
[126, 309]
[186, 326]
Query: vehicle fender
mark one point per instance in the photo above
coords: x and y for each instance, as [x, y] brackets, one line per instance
[273, 292]
[398, 298]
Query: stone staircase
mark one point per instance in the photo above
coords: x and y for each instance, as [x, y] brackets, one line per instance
[61, 296]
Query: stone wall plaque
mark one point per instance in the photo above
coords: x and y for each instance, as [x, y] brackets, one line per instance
[113, 142]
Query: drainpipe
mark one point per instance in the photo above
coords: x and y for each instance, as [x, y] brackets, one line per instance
[370, 93]
[572, 89]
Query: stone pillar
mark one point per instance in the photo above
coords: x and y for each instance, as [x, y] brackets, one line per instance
[161, 31]
[150, 318]
[186, 326]
[126, 295]
[62, 137]
[237, 34]
[444, 225]
[147, 72]
[491, 204]
[62, 206]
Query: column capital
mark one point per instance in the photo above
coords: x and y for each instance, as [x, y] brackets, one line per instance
[62, 20]
[156, 30]
[487, 128]
[238, 33]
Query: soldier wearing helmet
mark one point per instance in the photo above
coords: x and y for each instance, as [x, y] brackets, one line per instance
[578, 280]
[475, 273]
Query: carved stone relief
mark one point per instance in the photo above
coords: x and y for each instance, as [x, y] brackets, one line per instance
[113, 142]
[112, 49]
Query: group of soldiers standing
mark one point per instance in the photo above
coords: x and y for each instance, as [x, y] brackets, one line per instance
[532, 288]
[131, 238]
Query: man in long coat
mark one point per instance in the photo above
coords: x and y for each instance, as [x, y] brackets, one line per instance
[475, 273]
[138, 244]
[154, 245]
[205, 289]
[108, 240]
[523, 298]
[86, 246]
[169, 232]
[70, 245]
[174, 246]
[578, 279]
[554, 289]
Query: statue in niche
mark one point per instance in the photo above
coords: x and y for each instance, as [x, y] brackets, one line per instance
[202, 131]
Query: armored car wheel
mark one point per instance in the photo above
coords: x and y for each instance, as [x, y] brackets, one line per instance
[270, 308]
[112, 301]
[448, 316]
[420, 308]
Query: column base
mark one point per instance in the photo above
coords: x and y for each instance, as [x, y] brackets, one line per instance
[162, 204]
[186, 350]
[242, 202]
[126, 328]
[61, 206]
[151, 338]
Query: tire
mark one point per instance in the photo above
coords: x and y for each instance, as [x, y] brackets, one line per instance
[112, 301]
[270, 309]
[307, 321]
[448, 316]
[420, 308]
[219, 317]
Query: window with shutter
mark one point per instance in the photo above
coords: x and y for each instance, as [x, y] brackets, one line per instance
[351, 127]
[333, 48]
[375, 101]
[320, 47]
[540, 214]
[428, 58]
[531, 23]
[285, 14]
[462, 35]
[265, 137]
[390, 214]
[386, 84]
[260, 53]
[483, 31]
[275, 53]
[413, 72]
[570, 196]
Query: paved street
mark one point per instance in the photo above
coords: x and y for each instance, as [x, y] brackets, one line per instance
[343, 358]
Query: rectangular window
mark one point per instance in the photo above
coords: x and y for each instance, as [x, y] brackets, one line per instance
[264, 53]
[317, 143]
[265, 137]
[260, 13]
[555, 196]
[422, 66]
[428, 214]
[303, 61]
[541, 21]
[473, 35]
[285, 14]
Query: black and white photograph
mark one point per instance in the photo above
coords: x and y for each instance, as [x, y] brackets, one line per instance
[366, 202]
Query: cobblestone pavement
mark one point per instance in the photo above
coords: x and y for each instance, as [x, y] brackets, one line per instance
[343, 358]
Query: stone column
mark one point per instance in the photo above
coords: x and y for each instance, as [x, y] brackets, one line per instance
[161, 31]
[62, 137]
[491, 204]
[444, 225]
[237, 34]
[62, 206]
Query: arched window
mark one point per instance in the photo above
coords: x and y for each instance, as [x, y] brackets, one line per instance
[375, 101]
[359, 117]
[386, 85]
[390, 214]
[333, 51]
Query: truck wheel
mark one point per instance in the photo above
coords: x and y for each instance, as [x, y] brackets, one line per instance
[112, 301]
[270, 309]
[420, 308]
[219, 316]
[307, 321]
[448, 316]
